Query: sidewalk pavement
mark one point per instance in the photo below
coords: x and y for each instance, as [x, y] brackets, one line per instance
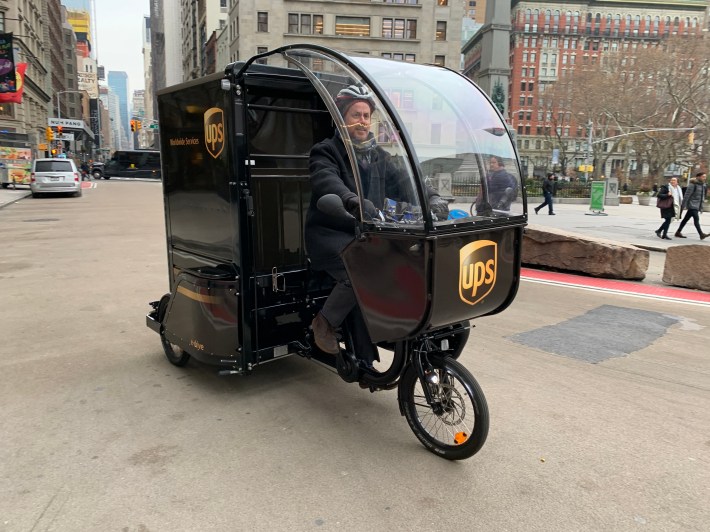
[11, 195]
[629, 224]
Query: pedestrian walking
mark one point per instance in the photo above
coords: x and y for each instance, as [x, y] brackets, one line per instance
[677, 192]
[547, 187]
[693, 204]
[664, 202]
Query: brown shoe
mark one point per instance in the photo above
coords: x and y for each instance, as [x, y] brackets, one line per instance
[678, 235]
[324, 335]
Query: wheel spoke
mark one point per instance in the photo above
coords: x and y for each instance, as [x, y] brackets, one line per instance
[456, 404]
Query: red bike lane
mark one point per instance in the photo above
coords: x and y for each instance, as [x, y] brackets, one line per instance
[630, 288]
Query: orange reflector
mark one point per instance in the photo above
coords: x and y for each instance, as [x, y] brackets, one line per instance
[460, 437]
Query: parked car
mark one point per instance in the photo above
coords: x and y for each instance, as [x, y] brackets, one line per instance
[55, 176]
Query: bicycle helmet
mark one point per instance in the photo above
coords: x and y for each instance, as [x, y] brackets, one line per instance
[354, 93]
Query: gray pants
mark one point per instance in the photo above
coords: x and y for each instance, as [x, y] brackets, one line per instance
[341, 300]
[341, 305]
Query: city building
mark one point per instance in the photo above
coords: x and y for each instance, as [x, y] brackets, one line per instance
[199, 21]
[475, 10]
[23, 122]
[165, 46]
[548, 39]
[421, 31]
[149, 115]
[118, 83]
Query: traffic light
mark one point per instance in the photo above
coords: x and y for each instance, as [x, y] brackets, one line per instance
[60, 130]
[138, 124]
[691, 137]
[54, 151]
[49, 134]
[133, 126]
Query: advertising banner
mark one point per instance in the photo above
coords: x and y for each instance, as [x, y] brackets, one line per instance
[596, 199]
[7, 64]
[18, 162]
[16, 97]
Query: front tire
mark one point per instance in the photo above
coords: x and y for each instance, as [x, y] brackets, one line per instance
[455, 425]
[175, 354]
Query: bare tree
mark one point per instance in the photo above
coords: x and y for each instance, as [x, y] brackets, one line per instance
[632, 94]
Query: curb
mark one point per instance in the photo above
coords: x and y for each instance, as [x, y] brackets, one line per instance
[18, 198]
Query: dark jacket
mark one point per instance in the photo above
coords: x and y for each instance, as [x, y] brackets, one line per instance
[502, 189]
[664, 192]
[694, 195]
[330, 171]
[547, 186]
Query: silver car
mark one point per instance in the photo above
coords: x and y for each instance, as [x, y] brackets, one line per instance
[55, 176]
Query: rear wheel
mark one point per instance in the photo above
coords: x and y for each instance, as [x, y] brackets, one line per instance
[96, 174]
[455, 424]
[175, 354]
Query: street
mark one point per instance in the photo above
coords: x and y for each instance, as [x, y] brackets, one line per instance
[600, 406]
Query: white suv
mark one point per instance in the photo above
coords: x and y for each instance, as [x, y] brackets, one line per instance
[55, 176]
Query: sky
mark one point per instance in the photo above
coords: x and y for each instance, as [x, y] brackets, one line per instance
[119, 38]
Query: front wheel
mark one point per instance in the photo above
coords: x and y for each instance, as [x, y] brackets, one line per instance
[455, 424]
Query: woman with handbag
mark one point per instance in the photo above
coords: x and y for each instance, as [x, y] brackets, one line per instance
[664, 201]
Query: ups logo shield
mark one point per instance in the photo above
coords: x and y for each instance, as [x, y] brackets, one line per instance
[214, 131]
[477, 270]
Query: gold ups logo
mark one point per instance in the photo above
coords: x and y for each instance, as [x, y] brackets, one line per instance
[477, 270]
[214, 131]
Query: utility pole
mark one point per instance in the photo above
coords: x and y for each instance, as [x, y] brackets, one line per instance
[587, 164]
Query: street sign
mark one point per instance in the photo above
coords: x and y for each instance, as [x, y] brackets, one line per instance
[64, 136]
[153, 126]
[65, 122]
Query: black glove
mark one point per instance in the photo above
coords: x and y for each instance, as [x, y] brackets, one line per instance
[439, 206]
[352, 205]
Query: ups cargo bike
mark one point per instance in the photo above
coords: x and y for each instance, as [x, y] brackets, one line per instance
[235, 165]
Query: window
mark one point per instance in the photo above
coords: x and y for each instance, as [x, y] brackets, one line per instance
[262, 25]
[444, 2]
[352, 26]
[441, 30]
[2, 22]
[6, 110]
[398, 56]
[261, 50]
[440, 60]
[305, 24]
[399, 28]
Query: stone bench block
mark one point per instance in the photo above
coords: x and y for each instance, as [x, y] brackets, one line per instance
[688, 266]
[562, 250]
